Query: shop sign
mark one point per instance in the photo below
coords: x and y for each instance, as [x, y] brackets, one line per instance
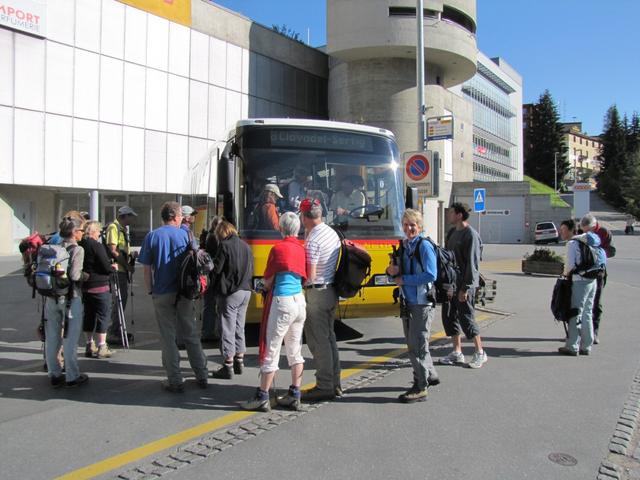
[27, 16]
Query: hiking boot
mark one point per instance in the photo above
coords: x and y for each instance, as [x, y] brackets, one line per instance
[454, 358]
[568, 351]
[596, 339]
[290, 400]
[91, 350]
[317, 395]
[202, 383]
[433, 380]
[104, 351]
[225, 372]
[173, 387]
[238, 365]
[79, 380]
[414, 394]
[57, 381]
[585, 352]
[259, 403]
[338, 391]
[478, 360]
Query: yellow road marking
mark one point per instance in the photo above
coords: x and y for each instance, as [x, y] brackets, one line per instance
[184, 436]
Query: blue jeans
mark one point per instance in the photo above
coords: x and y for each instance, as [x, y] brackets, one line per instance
[55, 313]
[581, 326]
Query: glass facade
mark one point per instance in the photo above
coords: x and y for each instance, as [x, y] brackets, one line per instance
[495, 131]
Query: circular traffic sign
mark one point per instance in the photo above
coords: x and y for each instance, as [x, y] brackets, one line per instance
[417, 167]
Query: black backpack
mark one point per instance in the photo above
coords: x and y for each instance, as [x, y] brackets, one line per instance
[589, 266]
[448, 271]
[561, 301]
[353, 267]
[193, 275]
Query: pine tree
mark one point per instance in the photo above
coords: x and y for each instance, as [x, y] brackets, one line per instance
[630, 189]
[544, 143]
[614, 162]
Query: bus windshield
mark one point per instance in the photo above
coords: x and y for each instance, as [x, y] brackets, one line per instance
[354, 175]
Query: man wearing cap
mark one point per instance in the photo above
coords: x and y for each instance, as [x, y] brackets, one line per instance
[268, 218]
[322, 248]
[118, 245]
[188, 219]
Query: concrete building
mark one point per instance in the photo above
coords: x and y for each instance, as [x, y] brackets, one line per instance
[495, 93]
[372, 75]
[104, 97]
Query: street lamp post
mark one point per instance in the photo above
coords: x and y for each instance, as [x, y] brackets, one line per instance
[555, 172]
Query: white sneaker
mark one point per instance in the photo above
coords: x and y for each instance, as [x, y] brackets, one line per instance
[478, 360]
[452, 359]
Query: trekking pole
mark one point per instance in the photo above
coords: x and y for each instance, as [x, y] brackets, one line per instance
[121, 319]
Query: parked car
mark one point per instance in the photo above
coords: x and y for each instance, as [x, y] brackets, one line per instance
[546, 232]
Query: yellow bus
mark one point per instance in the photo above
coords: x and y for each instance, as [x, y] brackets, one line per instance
[316, 159]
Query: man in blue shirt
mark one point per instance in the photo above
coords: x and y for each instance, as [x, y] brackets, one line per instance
[415, 276]
[162, 252]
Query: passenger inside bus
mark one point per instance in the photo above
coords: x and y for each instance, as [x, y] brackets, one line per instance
[348, 200]
[297, 188]
[268, 218]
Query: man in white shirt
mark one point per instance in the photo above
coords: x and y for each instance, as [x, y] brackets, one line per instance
[322, 247]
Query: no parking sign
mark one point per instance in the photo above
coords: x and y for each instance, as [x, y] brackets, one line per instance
[419, 171]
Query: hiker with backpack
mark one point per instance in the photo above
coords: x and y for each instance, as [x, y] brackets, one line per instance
[322, 247]
[58, 277]
[414, 271]
[96, 294]
[458, 309]
[119, 247]
[233, 272]
[161, 255]
[584, 261]
[588, 223]
[210, 317]
[283, 316]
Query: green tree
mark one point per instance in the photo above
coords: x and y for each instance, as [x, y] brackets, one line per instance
[544, 144]
[613, 171]
[631, 188]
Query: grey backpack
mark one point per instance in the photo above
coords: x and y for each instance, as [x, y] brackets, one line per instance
[51, 277]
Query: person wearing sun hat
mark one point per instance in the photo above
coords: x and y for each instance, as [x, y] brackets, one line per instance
[268, 218]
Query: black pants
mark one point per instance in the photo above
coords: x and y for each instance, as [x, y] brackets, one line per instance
[123, 283]
[458, 317]
[601, 281]
[97, 312]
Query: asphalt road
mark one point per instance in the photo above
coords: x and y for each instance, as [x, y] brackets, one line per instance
[500, 422]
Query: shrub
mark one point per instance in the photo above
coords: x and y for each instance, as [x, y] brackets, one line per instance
[544, 255]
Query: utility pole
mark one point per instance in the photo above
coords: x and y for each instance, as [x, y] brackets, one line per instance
[420, 75]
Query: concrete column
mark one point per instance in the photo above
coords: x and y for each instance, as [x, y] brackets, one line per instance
[94, 207]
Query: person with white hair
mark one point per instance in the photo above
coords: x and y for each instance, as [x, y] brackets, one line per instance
[589, 223]
[283, 317]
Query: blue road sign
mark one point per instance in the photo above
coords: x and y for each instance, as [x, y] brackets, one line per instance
[479, 197]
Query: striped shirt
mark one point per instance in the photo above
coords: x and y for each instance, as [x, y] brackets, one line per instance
[323, 249]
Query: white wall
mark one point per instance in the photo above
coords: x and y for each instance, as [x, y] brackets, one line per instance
[115, 98]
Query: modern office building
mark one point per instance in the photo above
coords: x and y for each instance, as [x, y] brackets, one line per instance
[103, 96]
[122, 100]
[495, 93]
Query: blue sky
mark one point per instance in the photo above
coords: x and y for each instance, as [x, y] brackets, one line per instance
[585, 52]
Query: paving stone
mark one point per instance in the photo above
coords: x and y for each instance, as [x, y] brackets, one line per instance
[160, 471]
[602, 476]
[246, 436]
[146, 468]
[183, 456]
[627, 423]
[132, 475]
[619, 449]
[234, 432]
[620, 441]
[222, 436]
[211, 442]
[631, 418]
[609, 471]
[625, 429]
[610, 465]
[249, 427]
[176, 464]
[623, 435]
[234, 441]
[636, 453]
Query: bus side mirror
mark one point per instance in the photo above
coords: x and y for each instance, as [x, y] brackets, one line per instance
[411, 198]
[226, 182]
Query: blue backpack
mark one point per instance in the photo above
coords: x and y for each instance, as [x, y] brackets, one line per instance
[593, 260]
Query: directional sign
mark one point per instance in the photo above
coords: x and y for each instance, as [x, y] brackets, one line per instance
[417, 167]
[440, 128]
[479, 197]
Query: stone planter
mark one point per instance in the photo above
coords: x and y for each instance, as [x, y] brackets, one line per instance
[545, 268]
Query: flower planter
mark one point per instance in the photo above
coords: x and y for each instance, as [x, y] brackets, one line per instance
[545, 268]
